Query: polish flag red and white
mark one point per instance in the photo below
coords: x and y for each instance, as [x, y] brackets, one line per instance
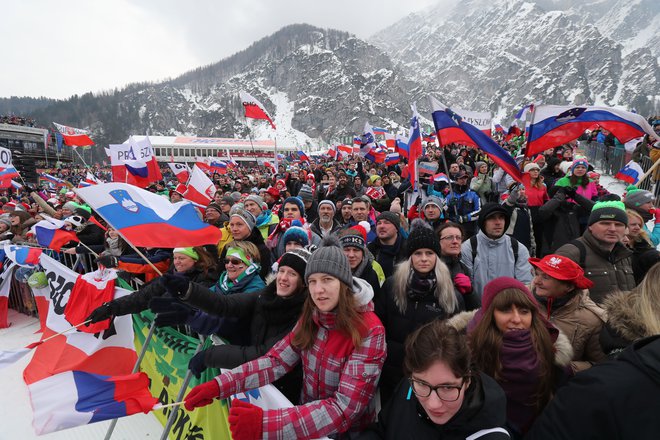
[200, 188]
[74, 137]
[254, 109]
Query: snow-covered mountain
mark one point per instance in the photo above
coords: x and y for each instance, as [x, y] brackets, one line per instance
[497, 55]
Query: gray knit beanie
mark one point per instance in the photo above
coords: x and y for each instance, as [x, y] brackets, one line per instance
[306, 193]
[329, 258]
[243, 214]
[258, 200]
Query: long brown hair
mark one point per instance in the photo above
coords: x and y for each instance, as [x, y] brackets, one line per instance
[486, 342]
[206, 263]
[348, 320]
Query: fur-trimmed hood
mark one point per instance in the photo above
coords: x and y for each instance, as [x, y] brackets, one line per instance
[562, 345]
[622, 316]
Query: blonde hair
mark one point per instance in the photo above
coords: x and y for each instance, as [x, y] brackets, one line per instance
[643, 235]
[444, 289]
[250, 249]
[648, 305]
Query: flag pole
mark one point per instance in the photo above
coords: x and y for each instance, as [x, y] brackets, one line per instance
[531, 122]
[127, 241]
[249, 132]
[648, 173]
[179, 397]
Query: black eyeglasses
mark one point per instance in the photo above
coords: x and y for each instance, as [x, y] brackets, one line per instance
[234, 261]
[446, 393]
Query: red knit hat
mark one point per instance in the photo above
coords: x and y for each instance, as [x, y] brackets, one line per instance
[273, 192]
[562, 268]
[499, 284]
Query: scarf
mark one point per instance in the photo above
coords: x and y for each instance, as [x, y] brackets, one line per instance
[226, 285]
[421, 285]
[278, 310]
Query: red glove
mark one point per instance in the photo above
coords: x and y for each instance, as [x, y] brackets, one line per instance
[463, 283]
[245, 421]
[202, 395]
[656, 213]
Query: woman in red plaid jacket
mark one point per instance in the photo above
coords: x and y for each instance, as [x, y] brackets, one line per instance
[341, 344]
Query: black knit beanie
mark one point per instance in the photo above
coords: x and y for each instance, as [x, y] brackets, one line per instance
[422, 236]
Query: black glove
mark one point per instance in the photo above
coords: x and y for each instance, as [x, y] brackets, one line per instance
[197, 364]
[170, 311]
[103, 312]
[570, 191]
[109, 261]
[176, 285]
[453, 201]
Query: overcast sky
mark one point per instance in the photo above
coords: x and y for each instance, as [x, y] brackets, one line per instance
[60, 48]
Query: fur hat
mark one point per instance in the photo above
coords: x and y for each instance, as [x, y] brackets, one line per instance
[531, 166]
[422, 236]
[329, 258]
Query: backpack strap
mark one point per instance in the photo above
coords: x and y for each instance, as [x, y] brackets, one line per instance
[473, 244]
[514, 248]
[583, 251]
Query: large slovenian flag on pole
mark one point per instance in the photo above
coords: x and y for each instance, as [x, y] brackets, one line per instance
[444, 118]
[414, 145]
[254, 109]
[554, 125]
[134, 162]
[74, 137]
[137, 213]
[72, 376]
[630, 173]
[51, 233]
[454, 135]
[200, 189]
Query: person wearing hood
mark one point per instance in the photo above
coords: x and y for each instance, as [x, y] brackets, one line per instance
[482, 183]
[521, 224]
[551, 173]
[341, 344]
[271, 311]
[266, 220]
[632, 315]
[611, 401]
[513, 343]
[21, 222]
[463, 204]
[441, 395]
[560, 287]
[193, 263]
[491, 253]
[642, 202]
[420, 291]
[354, 243]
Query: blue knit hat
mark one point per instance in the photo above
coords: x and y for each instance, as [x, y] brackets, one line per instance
[296, 233]
[296, 201]
[579, 162]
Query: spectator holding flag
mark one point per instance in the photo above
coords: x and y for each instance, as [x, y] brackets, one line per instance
[341, 345]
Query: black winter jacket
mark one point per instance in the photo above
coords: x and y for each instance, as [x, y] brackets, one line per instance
[483, 408]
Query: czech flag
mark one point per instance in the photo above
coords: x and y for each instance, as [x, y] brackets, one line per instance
[74, 137]
[554, 125]
[254, 109]
[444, 119]
[137, 213]
[630, 173]
[75, 398]
[51, 233]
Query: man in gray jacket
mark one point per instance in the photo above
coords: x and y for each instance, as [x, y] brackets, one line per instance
[497, 254]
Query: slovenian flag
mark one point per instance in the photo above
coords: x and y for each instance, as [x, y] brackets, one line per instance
[414, 145]
[392, 159]
[380, 130]
[445, 119]
[89, 180]
[254, 109]
[74, 137]
[55, 180]
[218, 166]
[440, 177]
[137, 213]
[450, 134]
[554, 125]
[23, 255]
[302, 156]
[51, 233]
[630, 173]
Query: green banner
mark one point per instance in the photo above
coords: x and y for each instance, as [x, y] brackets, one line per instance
[166, 364]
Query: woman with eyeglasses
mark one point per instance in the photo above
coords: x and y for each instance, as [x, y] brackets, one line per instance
[451, 238]
[441, 396]
[241, 276]
[513, 343]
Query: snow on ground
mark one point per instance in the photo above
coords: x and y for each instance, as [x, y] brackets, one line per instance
[15, 409]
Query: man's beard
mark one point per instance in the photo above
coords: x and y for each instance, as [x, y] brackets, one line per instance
[325, 219]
